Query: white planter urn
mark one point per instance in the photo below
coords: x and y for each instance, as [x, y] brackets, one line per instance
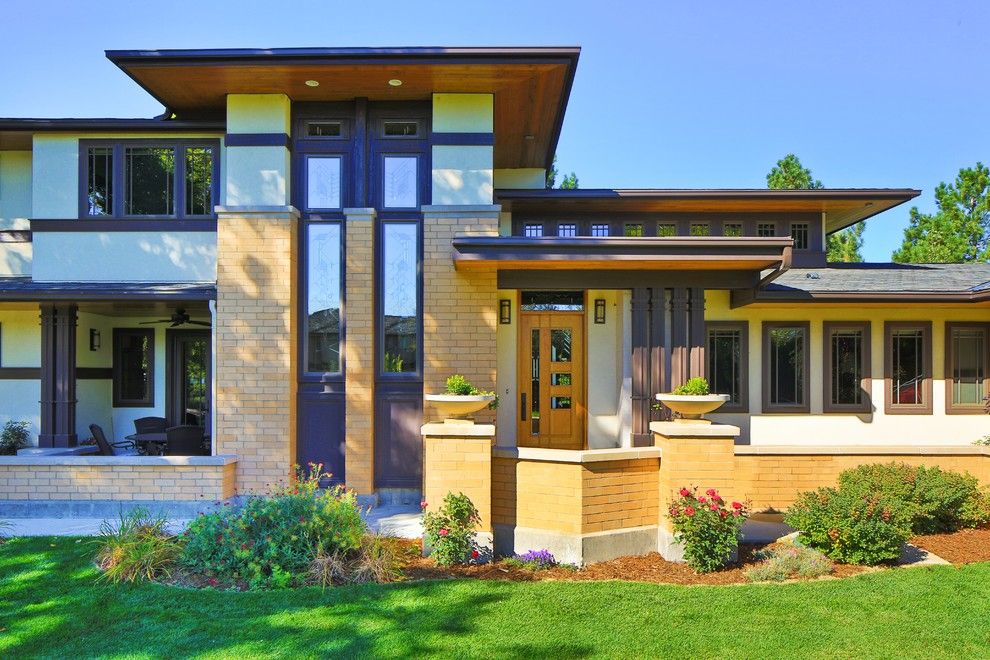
[692, 407]
[455, 408]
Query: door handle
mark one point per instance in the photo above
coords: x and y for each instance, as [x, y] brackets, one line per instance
[522, 407]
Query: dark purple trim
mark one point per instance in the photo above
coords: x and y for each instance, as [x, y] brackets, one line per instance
[893, 194]
[640, 389]
[567, 279]
[743, 298]
[20, 373]
[58, 375]
[417, 54]
[110, 124]
[94, 373]
[15, 236]
[122, 225]
[463, 139]
[257, 140]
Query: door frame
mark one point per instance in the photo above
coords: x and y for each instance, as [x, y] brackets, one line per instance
[581, 414]
[174, 376]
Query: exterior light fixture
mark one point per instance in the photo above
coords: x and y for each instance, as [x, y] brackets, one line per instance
[505, 311]
[312, 83]
[600, 311]
[94, 339]
[395, 82]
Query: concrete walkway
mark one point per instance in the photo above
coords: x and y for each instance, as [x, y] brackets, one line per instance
[393, 520]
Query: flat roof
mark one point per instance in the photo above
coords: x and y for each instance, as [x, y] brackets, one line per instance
[844, 206]
[25, 289]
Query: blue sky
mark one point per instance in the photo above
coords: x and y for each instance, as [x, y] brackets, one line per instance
[668, 94]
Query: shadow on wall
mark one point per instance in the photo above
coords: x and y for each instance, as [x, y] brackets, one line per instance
[15, 259]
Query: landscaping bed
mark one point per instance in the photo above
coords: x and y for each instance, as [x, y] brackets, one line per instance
[963, 547]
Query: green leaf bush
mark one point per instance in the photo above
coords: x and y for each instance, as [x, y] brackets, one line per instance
[696, 386]
[790, 562]
[708, 527]
[449, 530]
[271, 542]
[138, 547]
[14, 436]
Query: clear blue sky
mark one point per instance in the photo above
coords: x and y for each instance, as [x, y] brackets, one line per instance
[668, 94]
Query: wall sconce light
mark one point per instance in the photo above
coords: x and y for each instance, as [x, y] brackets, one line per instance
[505, 311]
[94, 339]
[599, 311]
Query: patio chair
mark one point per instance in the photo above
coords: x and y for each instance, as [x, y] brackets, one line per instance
[108, 448]
[150, 425]
[185, 440]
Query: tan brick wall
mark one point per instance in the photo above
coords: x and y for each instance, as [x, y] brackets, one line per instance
[618, 494]
[460, 313]
[774, 481]
[359, 353]
[207, 483]
[256, 337]
[702, 462]
[459, 465]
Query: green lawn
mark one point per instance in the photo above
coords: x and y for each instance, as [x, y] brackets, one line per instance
[52, 605]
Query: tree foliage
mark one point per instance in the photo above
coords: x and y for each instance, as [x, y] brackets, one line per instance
[959, 230]
[790, 174]
[569, 182]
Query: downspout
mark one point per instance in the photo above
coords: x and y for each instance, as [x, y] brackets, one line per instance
[213, 374]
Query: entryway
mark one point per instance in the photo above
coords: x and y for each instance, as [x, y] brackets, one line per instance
[187, 394]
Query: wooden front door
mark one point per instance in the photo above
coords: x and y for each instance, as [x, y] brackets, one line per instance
[551, 380]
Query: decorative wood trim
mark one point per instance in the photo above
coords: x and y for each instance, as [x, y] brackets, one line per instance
[803, 407]
[866, 360]
[640, 394]
[957, 409]
[463, 139]
[122, 225]
[257, 140]
[743, 328]
[20, 373]
[890, 407]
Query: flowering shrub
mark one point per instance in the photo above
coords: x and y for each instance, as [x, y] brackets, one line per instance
[450, 530]
[793, 561]
[533, 560]
[272, 541]
[708, 527]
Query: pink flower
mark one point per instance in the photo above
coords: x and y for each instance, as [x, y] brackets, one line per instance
[712, 492]
[714, 507]
[737, 506]
[737, 512]
[723, 513]
[717, 498]
[685, 492]
[689, 511]
[444, 532]
[703, 499]
[475, 554]
[674, 511]
[422, 505]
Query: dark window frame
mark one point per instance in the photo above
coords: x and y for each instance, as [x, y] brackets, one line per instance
[771, 408]
[743, 328]
[772, 228]
[118, 146]
[380, 372]
[596, 229]
[891, 408]
[806, 228]
[304, 372]
[866, 381]
[343, 155]
[149, 399]
[732, 223]
[571, 229]
[965, 409]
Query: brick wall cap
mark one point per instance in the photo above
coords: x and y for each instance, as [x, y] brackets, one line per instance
[443, 430]
[462, 210]
[679, 430]
[130, 461]
[576, 455]
[290, 212]
[861, 450]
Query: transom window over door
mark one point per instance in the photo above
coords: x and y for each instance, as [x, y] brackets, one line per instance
[967, 367]
[908, 367]
[785, 367]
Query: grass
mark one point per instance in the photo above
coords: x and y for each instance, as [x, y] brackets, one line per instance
[51, 604]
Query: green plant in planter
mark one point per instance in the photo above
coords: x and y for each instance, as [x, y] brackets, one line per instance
[458, 385]
[697, 386]
[14, 436]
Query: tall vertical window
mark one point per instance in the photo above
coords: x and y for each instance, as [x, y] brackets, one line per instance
[726, 368]
[847, 367]
[400, 297]
[149, 181]
[400, 181]
[566, 229]
[799, 232]
[599, 229]
[766, 229]
[199, 181]
[785, 364]
[967, 370]
[323, 182]
[323, 283]
[665, 229]
[133, 368]
[99, 190]
[908, 367]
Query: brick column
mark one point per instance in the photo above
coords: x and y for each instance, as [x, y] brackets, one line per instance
[257, 342]
[359, 350]
[458, 459]
[699, 455]
[460, 314]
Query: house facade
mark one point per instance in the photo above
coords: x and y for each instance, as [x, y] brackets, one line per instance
[307, 241]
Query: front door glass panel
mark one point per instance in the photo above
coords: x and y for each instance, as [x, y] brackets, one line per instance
[534, 412]
[560, 345]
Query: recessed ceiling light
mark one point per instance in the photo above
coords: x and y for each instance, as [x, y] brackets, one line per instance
[312, 83]
[395, 82]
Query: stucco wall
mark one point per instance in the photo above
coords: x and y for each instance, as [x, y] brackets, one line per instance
[507, 372]
[15, 209]
[529, 178]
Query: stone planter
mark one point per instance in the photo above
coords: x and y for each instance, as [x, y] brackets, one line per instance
[455, 408]
[692, 407]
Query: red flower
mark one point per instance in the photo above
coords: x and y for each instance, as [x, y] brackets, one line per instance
[444, 532]
[712, 492]
[737, 512]
[703, 499]
[475, 554]
[685, 492]
[737, 506]
[714, 507]
[717, 498]
[689, 511]
[723, 513]
[422, 505]
[674, 511]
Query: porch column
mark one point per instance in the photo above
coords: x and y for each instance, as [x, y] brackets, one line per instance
[696, 333]
[58, 375]
[679, 352]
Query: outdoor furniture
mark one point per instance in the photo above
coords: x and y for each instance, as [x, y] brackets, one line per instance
[185, 440]
[149, 444]
[150, 425]
[106, 447]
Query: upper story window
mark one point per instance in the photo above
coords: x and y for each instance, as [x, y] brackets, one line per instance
[666, 229]
[732, 229]
[600, 230]
[701, 229]
[138, 178]
[403, 128]
[766, 230]
[633, 229]
[566, 229]
[799, 232]
[533, 230]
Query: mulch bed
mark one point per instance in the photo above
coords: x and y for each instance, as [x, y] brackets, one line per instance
[962, 547]
[648, 568]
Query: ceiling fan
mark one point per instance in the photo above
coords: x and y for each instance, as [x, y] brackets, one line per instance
[179, 317]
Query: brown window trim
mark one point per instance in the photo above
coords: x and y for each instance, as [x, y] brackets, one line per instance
[866, 382]
[149, 400]
[765, 385]
[890, 408]
[958, 409]
[743, 328]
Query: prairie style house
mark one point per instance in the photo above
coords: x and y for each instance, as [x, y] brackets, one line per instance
[307, 241]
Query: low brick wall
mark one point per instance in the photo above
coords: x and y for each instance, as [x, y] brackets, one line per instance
[158, 478]
[772, 477]
[459, 460]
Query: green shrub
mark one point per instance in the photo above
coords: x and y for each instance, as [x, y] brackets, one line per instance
[461, 386]
[707, 527]
[793, 561]
[14, 436]
[944, 501]
[271, 542]
[139, 547]
[983, 442]
[852, 525]
[450, 530]
[696, 386]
